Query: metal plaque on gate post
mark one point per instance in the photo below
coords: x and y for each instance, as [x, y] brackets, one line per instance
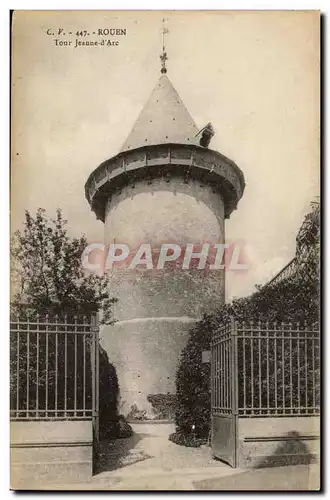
[206, 356]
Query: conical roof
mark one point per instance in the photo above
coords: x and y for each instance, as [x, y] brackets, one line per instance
[164, 119]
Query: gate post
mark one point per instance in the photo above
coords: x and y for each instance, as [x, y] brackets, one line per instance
[234, 384]
[95, 374]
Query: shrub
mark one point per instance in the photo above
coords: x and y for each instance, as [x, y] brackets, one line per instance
[136, 414]
[119, 429]
[295, 301]
[108, 396]
[163, 405]
[188, 440]
[193, 383]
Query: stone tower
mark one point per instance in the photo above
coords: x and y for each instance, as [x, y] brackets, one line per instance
[164, 186]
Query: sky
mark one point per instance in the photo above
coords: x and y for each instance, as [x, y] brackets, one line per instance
[254, 75]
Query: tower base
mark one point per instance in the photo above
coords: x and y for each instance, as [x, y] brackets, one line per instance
[145, 353]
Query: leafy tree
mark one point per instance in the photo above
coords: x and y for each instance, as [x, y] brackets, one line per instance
[50, 283]
[48, 275]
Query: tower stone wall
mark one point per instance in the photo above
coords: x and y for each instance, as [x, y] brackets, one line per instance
[156, 308]
[165, 186]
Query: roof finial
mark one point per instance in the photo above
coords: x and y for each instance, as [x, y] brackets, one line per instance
[163, 56]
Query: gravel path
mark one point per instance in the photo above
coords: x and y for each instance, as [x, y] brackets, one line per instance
[149, 461]
[149, 449]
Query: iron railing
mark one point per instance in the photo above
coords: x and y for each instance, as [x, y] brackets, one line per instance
[288, 271]
[262, 369]
[54, 367]
[222, 370]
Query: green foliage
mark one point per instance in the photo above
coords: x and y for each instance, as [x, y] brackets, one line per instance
[44, 373]
[193, 382]
[308, 237]
[50, 283]
[108, 396]
[123, 429]
[189, 440]
[68, 377]
[112, 425]
[295, 299]
[48, 276]
[136, 414]
[163, 405]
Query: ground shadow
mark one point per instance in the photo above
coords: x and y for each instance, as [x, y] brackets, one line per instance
[299, 478]
[117, 453]
[292, 451]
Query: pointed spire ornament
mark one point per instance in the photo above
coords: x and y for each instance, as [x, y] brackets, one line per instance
[163, 56]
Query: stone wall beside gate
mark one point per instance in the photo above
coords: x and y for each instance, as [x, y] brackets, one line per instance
[265, 381]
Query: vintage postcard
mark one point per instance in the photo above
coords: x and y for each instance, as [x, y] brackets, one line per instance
[165, 229]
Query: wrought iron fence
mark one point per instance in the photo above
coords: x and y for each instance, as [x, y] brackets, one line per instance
[222, 370]
[288, 271]
[53, 367]
[262, 369]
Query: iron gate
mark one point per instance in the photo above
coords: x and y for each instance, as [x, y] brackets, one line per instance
[224, 394]
[54, 368]
[261, 369]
